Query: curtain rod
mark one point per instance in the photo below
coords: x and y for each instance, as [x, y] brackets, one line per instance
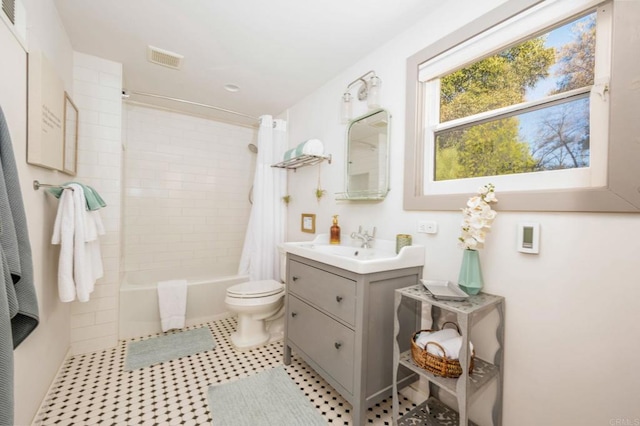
[126, 93]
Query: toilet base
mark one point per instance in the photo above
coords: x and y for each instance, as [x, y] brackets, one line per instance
[252, 334]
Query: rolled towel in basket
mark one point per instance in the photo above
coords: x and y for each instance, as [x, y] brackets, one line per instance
[451, 348]
[308, 147]
[436, 336]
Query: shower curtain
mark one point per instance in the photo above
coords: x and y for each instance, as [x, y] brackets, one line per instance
[265, 231]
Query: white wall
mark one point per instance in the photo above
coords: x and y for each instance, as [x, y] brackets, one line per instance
[97, 94]
[186, 187]
[571, 311]
[95, 87]
[37, 359]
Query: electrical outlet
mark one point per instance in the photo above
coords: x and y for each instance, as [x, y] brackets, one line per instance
[432, 227]
[427, 227]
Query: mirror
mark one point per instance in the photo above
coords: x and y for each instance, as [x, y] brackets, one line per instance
[367, 176]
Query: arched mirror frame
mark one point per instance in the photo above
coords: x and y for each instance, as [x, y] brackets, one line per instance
[367, 157]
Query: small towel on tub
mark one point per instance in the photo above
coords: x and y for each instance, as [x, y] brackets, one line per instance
[172, 300]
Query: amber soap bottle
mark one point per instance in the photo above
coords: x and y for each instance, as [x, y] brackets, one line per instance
[335, 231]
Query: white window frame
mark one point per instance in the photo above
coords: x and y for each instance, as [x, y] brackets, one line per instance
[604, 185]
[535, 21]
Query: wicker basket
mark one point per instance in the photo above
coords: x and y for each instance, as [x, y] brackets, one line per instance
[438, 365]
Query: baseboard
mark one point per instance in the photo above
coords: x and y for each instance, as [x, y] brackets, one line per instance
[43, 404]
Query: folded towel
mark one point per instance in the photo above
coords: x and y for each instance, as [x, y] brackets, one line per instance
[93, 199]
[451, 348]
[308, 147]
[172, 300]
[436, 336]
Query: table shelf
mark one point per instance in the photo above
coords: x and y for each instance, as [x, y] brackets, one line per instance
[467, 313]
[483, 372]
[432, 412]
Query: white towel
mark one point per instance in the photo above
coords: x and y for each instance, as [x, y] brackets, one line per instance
[63, 235]
[308, 147]
[451, 348]
[172, 300]
[436, 336]
[448, 338]
[93, 245]
[77, 230]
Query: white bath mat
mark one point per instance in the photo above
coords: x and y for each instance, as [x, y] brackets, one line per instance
[155, 350]
[269, 398]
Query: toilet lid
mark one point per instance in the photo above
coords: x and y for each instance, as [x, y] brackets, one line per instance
[255, 289]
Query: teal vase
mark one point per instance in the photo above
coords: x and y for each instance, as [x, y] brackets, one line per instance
[470, 278]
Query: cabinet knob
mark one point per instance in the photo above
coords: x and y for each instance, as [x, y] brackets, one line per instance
[294, 278]
[293, 314]
[338, 299]
[337, 345]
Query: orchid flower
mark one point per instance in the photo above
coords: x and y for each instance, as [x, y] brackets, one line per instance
[477, 218]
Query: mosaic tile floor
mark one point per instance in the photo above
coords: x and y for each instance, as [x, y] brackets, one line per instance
[93, 388]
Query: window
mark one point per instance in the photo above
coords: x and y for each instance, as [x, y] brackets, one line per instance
[523, 104]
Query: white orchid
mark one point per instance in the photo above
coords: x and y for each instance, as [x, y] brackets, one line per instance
[478, 217]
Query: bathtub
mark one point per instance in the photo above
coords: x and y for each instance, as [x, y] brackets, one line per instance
[206, 289]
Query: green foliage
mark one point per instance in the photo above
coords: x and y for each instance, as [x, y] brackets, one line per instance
[494, 149]
[500, 80]
[494, 82]
[447, 164]
[485, 150]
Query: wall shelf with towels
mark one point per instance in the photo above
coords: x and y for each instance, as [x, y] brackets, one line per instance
[301, 161]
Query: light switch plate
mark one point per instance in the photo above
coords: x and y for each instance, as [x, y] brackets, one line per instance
[529, 238]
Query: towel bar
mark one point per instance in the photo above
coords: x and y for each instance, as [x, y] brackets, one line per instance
[37, 185]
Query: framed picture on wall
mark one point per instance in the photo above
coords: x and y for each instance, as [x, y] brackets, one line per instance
[308, 223]
[70, 158]
[46, 106]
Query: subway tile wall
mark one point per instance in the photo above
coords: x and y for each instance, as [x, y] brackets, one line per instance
[186, 187]
[97, 89]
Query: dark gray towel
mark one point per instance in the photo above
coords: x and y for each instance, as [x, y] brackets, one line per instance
[18, 303]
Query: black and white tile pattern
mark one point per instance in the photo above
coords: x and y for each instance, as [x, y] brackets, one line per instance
[93, 388]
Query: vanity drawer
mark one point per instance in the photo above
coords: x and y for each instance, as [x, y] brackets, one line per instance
[329, 343]
[333, 293]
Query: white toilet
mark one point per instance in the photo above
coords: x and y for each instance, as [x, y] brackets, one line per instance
[260, 309]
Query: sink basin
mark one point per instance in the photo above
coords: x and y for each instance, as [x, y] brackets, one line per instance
[381, 257]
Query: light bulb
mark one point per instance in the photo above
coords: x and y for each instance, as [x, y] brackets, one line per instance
[373, 98]
[345, 112]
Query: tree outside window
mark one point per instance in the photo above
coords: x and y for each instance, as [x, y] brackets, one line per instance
[534, 136]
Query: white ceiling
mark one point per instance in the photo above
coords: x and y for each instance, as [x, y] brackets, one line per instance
[277, 51]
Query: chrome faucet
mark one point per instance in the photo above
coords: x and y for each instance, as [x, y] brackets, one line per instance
[365, 238]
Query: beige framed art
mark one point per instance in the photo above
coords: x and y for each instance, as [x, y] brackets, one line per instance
[308, 223]
[45, 143]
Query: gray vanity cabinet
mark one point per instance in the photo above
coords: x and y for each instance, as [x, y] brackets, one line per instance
[341, 324]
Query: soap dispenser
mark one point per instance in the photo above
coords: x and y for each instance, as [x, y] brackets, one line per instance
[335, 231]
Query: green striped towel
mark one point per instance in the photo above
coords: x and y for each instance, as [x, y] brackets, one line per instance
[94, 200]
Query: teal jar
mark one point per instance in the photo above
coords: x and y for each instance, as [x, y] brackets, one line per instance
[470, 278]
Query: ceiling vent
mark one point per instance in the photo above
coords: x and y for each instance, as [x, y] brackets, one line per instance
[164, 57]
[9, 9]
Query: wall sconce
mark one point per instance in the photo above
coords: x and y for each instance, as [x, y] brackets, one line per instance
[369, 90]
